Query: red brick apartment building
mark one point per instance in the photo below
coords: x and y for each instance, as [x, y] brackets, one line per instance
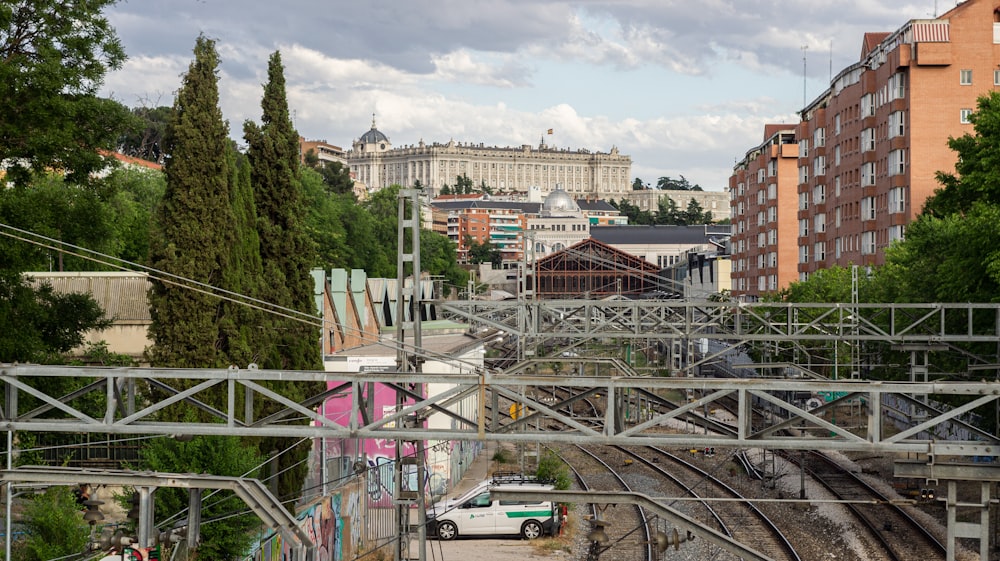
[867, 150]
[763, 187]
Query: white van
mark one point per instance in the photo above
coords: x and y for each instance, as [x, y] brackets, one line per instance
[483, 515]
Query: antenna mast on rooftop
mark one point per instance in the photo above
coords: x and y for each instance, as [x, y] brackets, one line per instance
[804, 49]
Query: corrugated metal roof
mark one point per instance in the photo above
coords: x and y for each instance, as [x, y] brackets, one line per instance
[122, 295]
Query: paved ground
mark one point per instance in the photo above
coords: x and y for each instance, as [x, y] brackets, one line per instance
[478, 549]
[511, 549]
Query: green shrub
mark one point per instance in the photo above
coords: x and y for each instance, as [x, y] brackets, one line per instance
[551, 467]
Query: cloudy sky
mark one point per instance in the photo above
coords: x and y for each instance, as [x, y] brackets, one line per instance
[682, 86]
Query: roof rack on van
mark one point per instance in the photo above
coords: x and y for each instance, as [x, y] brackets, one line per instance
[515, 478]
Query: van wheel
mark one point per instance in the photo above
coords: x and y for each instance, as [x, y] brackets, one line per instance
[447, 531]
[531, 530]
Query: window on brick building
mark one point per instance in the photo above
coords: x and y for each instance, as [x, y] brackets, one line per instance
[965, 77]
[897, 200]
[963, 116]
[897, 86]
[897, 124]
[867, 140]
[897, 162]
[868, 243]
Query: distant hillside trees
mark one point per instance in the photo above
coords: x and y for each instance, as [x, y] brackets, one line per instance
[682, 184]
[667, 213]
[146, 140]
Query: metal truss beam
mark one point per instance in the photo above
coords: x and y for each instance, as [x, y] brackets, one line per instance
[789, 426]
[672, 319]
[265, 505]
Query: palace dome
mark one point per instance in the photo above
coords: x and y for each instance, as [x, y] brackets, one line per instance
[373, 136]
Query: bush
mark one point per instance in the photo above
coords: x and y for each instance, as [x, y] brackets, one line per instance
[552, 468]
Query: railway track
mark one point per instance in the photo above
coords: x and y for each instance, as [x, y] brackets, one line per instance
[735, 516]
[897, 535]
[626, 526]
[902, 538]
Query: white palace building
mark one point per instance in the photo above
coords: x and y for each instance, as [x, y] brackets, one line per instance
[582, 173]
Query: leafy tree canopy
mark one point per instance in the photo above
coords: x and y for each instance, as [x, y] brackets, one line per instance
[146, 141]
[228, 532]
[39, 324]
[337, 178]
[53, 58]
[483, 252]
[669, 184]
[950, 252]
[54, 526]
[977, 170]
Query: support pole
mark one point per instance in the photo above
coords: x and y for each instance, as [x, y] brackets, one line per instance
[9, 491]
[409, 314]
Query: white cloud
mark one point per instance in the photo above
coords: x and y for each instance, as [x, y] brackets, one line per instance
[472, 70]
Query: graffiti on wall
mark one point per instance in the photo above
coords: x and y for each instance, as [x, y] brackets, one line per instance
[323, 523]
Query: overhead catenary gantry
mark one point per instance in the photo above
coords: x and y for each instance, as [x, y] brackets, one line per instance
[675, 427]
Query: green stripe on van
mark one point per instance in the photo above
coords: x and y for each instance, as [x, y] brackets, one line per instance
[530, 514]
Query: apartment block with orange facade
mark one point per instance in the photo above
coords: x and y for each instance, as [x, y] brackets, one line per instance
[762, 190]
[870, 146]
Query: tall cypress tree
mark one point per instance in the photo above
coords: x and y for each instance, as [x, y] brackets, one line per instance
[240, 325]
[287, 255]
[196, 238]
[194, 222]
[285, 248]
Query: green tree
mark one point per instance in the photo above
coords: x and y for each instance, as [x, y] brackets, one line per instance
[977, 168]
[325, 222]
[950, 252]
[241, 339]
[285, 249]
[228, 532]
[51, 207]
[483, 252]
[40, 324]
[439, 257]
[463, 185]
[633, 213]
[552, 468]
[146, 142]
[445, 190]
[288, 256]
[54, 526]
[337, 178]
[638, 185]
[954, 258]
[53, 59]
[193, 236]
[667, 211]
[694, 214]
[669, 184]
[136, 193]
[825, 285]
